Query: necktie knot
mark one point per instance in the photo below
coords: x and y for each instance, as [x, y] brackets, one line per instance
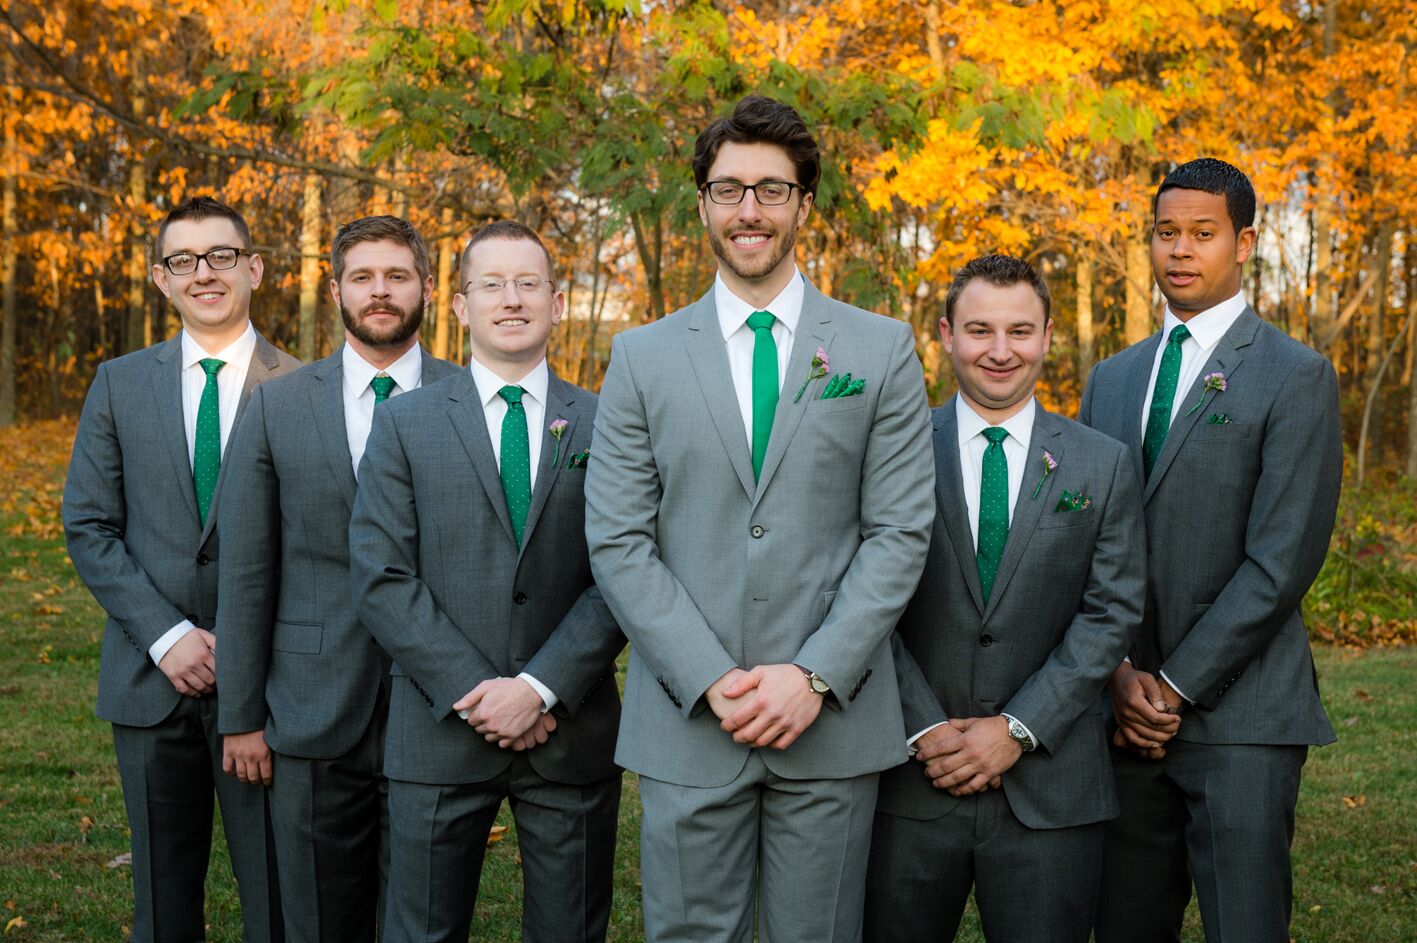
[1178, 334]
[760, 320]
[996, 435]
[512, 394]
[383, 385]
[211, 365]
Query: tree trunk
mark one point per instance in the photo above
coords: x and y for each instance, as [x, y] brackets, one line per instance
[443, 303]
[9, 260]
[1325, 304]
[312, 217]
[1377, 321]
[1086, 351]
[139, 331]
[1139, 318]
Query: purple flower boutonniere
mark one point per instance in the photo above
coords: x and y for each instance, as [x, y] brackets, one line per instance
[820, 366]
[1050, 465]
[557, 429]
[1213, 381]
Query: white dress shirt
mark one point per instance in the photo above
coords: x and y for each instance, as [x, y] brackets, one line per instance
[230, 381]
[1207, 328]
[738, 337]
[494, 408]
[970, 428]
[407, 372]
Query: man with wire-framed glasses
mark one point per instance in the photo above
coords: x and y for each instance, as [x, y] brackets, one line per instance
[140, 508]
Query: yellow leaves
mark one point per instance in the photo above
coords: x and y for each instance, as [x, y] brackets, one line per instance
[1355, 802]
[15, 923]
[497, 833]
[946, 171]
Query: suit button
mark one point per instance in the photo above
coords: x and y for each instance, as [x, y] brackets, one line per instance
[986, 640]
[203, 559]
[519, 598]
[756, 530]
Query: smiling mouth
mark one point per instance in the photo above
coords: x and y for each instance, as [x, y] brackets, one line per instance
[513, 322]
[748, 239]
[209, 295]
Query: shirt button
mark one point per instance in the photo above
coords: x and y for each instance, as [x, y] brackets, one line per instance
[519, 598]
[756, 530]
[986, 640]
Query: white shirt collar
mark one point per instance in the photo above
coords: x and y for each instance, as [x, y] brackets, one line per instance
[733, 311]
[488, 383]
[970, 424]
[406, 371]
[238, 351]
[1210, 325]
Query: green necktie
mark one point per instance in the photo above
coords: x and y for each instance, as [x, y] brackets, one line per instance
[383, 385]
[993, 509]
[1158, 419]
[206, 451]
[765, 385]
[516, 459]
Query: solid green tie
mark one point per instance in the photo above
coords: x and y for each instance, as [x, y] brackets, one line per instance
[206, 451]
[1158, 418]
[516, 460]
[765, 385]
[383, 385]
[993, 508]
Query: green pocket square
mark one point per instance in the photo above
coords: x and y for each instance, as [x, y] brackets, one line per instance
[1218, 419]
[580, 460]
[1073, 501]
[842, 385]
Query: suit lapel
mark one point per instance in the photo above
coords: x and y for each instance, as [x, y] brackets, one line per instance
[469, 421]
[1135, 383]
[1226, 360]
[560, 404]
[167, 366]
[709, 360]
[949, 495]
[1046, 435]
[327, 406]
[813, 330]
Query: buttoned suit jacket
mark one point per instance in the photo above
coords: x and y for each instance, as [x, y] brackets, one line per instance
[1239, 510]
[443, 587]
[296, 660]
[130, 517]
[707, 570]
[1066, 602]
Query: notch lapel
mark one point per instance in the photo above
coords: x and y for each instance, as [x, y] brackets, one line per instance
[560, 404]
[167, 381]
[1135, 384]
[327, 406]
[470, 423]
[949, 496]
[1046, 434]
[704, 345]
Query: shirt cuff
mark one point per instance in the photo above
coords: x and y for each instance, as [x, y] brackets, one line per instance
[1175, 688]
[1014, 719]
[169, 638]
[548, 699]
[910, 744]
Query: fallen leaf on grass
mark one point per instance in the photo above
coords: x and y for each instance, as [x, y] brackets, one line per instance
[1349, 721]
[124, 859]
[1362, 695]
[1316, 908]
[1378, 889]
[15, 923]
[85, 826]
[48, 609]
[1354, 802]
[497, 833]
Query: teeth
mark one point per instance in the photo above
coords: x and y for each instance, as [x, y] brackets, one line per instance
[749, 240]
[513, 322]
[209, 296]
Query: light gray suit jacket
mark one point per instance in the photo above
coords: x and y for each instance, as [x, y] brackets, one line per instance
[1238, 519]
[441, 584]
[1065, 606]
[295, 659]
[130, 517]
[707, 570]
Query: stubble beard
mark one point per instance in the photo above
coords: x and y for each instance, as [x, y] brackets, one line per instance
[722, 249]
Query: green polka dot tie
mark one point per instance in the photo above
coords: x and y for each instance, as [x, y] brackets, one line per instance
[1158, 418]
[206, 451]
[993, 509]
[765, 385]
[383, 385]
[516, 460]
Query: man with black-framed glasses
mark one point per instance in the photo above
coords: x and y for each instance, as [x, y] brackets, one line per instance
[140, 507]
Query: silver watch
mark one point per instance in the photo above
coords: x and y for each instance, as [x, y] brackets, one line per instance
[1020, 733]
[816, 682]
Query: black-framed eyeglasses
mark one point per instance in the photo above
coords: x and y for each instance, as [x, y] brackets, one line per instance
[766, 192]
[218, 260]
[526, 285]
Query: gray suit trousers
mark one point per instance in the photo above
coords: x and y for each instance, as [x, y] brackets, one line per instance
[171, 772]
[1219, 814]
[1031, 885]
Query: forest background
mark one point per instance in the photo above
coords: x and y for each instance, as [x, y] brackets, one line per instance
[949, 129]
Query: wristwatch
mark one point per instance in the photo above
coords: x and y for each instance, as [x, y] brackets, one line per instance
[816, 682]
[1020, 733]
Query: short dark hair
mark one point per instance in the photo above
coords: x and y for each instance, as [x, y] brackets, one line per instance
[1002, 271]
[199, 208]
[1210, 175]
[760, 120]
[379, 229]
[505, 229]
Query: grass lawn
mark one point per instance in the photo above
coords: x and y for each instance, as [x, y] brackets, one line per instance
[62, 824]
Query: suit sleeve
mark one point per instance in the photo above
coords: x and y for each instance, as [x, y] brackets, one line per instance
[897, 509]
[1085, 409]
[623, 492]
[579, 652]
[919, 705]
[95, 518]
[249, 581]
[391, 599]
[1286, 537]
[1108, 616]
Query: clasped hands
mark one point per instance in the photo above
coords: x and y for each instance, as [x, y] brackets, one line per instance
[968, 754]
[1147, 710]
[507, 712]
[767, 706]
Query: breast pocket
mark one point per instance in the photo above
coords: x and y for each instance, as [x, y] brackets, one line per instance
[301, 638]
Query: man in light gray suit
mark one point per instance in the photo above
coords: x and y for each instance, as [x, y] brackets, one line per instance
[140, 515]
[469, 566]
[1032, 591]
[1233, 430]
[299, 673]
[758, 512]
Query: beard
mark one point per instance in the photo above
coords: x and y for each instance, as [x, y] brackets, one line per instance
[722, 248]
[409, 323]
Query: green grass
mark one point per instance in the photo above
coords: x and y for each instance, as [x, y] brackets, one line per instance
[62, 819]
